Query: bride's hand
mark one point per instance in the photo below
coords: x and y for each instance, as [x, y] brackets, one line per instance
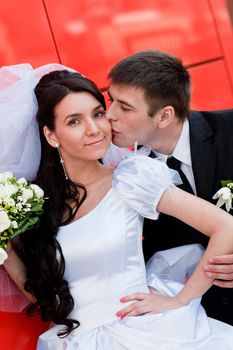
[16, 270]
[148, 303]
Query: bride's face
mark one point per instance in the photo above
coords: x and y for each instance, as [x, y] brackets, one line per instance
[81, 128]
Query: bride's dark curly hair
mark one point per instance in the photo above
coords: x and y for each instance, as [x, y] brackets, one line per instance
[41, 251]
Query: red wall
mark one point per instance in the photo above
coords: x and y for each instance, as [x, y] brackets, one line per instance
[91, 35]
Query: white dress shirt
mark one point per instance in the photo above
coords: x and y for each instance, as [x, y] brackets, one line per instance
[182, 152]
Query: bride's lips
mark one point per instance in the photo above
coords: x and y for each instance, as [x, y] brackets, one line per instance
[95, 143]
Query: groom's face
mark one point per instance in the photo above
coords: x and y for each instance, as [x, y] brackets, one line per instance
[128, 114]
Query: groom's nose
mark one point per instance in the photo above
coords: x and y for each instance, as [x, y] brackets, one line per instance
[110, 115]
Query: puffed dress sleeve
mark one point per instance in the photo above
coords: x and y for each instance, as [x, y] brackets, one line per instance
[141, 181]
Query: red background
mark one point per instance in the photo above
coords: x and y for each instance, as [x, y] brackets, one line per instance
[91, 35]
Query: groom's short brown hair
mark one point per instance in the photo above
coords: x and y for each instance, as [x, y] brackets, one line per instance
[162, 77]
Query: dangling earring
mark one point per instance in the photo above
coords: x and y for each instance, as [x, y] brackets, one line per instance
[61, 161]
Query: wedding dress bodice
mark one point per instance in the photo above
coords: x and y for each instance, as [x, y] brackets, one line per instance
[104, 262]
[103, 250]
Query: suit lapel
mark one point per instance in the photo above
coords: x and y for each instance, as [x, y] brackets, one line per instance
[203, 155]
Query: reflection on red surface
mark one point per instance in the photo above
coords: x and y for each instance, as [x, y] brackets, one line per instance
[92, 35]
[25, 34]
[224, 28]
[214, 83]
[18, 332]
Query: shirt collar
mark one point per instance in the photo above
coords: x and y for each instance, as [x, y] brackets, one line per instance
[182, 150]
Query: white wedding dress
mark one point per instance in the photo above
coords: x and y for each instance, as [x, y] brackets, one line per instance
[104, 261]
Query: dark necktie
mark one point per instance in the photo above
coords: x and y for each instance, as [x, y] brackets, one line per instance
[175, 164]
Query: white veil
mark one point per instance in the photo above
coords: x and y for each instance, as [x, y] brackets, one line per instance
[19, 145]
[19, 133]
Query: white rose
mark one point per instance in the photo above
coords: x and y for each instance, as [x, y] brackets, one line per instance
[14, 224]
[3, 256]
[7, 190]
[38, 191]
[2, 192]
[22, 181]
[10, 202]
[4, 221]
[11, 189]
[27, 193]
[5, 176]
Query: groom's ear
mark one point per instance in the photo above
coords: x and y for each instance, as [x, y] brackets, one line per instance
[50, 136]
[166, 117]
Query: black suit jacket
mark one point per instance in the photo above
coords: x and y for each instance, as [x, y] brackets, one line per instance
[212, 161]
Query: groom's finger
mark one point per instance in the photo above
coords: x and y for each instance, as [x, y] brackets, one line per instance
[221, 259]
[220, 276]
[224, 269]
[223, 284]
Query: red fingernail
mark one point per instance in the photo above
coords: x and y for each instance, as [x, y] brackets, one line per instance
[118, 314]
[122, 299]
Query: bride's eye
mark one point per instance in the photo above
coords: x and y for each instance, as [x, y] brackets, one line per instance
[100, 113]
[73, 121]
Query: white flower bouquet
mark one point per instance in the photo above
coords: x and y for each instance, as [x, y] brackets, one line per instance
[21, 204]
[225, 195]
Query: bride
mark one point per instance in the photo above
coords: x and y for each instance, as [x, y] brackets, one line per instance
[84, 265]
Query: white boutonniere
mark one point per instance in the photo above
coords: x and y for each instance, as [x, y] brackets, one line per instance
[225, 194]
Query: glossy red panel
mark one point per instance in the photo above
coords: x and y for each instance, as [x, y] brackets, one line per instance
[224, 26]
[19, 332]
[92, 35]
[211, 87]
[25, 35]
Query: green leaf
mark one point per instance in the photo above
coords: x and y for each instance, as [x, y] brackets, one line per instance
[225, 182]
[31, 222]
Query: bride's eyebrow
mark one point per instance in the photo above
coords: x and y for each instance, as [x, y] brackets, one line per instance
[98, 107]
[73, 115]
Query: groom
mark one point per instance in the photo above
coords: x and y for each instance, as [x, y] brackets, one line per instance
[150, 96]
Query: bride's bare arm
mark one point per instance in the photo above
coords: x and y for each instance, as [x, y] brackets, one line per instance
[16, 270]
